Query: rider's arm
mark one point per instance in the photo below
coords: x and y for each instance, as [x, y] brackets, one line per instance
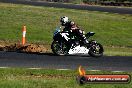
[74, 26]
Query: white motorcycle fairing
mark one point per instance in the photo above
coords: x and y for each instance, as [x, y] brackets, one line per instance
[78, 50]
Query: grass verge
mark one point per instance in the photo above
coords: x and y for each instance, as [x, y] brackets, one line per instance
[45, 78]
[117, 51]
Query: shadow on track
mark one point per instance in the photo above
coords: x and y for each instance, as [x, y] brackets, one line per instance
[52, 54]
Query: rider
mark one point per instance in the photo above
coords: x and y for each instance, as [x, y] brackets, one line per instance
[72, 27]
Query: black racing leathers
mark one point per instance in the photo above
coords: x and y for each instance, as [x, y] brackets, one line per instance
[72, 28]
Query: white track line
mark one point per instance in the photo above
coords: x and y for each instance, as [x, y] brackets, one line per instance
[63, 69]
[117, 71]
[93, 70]
[43, 68]
[34, 68]
[4, 67]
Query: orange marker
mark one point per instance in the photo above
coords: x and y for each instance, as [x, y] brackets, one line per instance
[23, 35]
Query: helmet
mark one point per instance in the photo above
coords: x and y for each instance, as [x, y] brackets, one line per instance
[64, 20]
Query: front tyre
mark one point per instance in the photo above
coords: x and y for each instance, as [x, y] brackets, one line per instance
[59, 48]
[96, 50]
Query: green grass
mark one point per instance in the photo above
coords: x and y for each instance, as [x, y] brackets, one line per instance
[110, 29]
[45, 78]
[117, 51]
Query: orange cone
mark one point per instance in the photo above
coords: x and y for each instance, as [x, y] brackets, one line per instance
[23, 35]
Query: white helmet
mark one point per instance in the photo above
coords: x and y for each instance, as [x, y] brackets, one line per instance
[64, 20]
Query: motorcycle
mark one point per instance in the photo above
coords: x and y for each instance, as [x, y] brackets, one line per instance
[65, 43]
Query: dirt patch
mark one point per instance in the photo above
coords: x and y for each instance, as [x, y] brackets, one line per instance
[28, 48]
[33, 48]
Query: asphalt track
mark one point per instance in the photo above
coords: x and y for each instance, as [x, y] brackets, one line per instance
[49, 61]
[73, 6]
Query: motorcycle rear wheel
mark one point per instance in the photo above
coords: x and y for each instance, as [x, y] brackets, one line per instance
[59, 48]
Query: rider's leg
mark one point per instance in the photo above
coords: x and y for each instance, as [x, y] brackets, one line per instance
[82, 36]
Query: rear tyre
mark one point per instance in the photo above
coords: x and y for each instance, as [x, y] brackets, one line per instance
[59, 48]
[96, 50]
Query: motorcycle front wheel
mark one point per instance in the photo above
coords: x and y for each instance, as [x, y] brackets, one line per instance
[96, 50]
[59, 48]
